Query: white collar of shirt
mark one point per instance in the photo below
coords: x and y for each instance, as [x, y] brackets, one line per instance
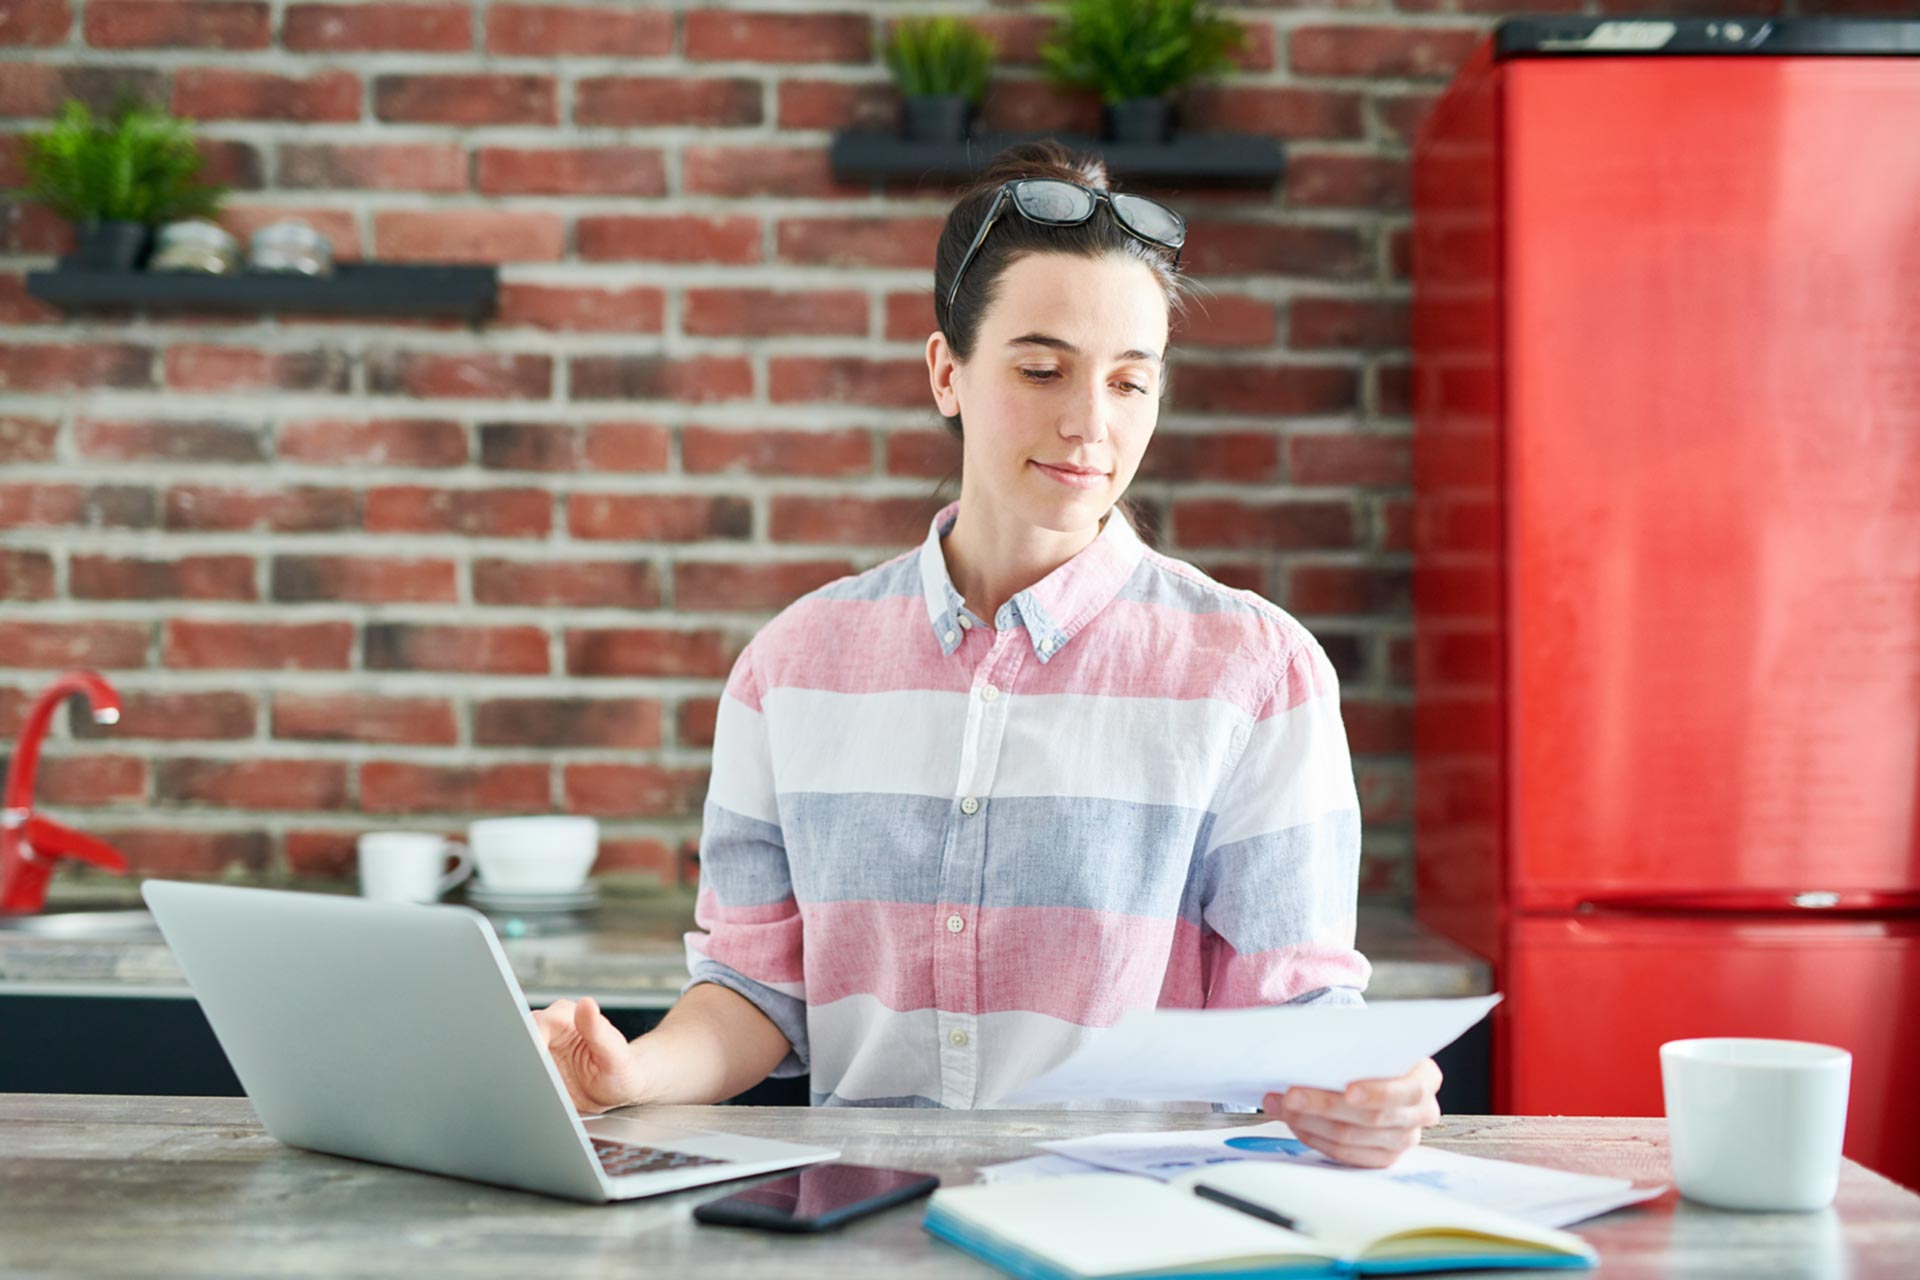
[1053, 609]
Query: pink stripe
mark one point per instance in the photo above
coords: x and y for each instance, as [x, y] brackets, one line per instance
[1277, 976]
[741, 684]
[1185, 986]
[766, 950]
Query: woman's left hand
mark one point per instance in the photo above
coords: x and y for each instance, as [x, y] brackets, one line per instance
[1369, 1124]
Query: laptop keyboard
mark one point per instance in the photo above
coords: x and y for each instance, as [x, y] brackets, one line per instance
[624, 1159]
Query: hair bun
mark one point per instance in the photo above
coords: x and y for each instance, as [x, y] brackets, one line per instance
[1045, 158]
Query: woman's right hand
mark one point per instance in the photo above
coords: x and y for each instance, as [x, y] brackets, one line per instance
[594, 1058]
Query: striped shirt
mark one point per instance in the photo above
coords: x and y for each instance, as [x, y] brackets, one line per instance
[939, 853]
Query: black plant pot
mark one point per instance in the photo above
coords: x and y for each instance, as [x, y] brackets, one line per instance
[108, 246]
[1140, 120]
[939, 117]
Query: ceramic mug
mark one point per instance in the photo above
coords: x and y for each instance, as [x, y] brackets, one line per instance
[1755, 1124]
[410, 866]
[543, 853]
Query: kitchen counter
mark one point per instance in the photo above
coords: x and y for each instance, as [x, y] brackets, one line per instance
[627, 955]
[105, 1185]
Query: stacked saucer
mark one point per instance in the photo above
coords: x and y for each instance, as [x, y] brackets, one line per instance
[519, 902]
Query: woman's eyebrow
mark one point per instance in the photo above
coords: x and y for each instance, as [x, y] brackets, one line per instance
[1061, 344]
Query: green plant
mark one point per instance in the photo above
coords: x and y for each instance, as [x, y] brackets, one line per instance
[1138, 48]
[939, 55]
[139, 166]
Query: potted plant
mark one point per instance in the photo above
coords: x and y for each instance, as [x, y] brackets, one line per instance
[116, 180]
[941, 65]
[1137, 53]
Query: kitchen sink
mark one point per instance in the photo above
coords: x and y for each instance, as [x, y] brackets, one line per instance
[136, 924]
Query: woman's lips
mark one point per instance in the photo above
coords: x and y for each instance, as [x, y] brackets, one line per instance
[1073, 479]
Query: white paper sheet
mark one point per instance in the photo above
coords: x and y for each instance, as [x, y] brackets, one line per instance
[1237, 1056]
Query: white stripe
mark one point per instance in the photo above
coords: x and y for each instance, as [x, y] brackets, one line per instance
[742, 772]
[1295, 771]
[901, 743]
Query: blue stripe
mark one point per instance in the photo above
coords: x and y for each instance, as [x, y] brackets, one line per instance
[1277, 889]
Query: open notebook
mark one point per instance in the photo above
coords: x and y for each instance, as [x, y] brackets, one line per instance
[1120, 1225]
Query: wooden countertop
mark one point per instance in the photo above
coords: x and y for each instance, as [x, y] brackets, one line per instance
[628, 954]
[105, 1185]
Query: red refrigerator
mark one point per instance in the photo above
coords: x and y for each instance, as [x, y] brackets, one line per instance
[1667, 584]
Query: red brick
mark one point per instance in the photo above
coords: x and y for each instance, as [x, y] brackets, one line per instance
[1245, 456]
[95, 506]
[1275, 111]
[27, 575]
[627, 101]
[650, 651]
[910, 316]
[646, 858]
[258, 646]
[716, 585]
[1264, 389]
[17, 306]
[393, 787]
[232, 164]
[923, 453]
[364, 579]
[529, 446]
[497, 651]
[627, 446]
[471, 98]
[293, 509]
[1348, 589]
[155, 24]
[381, 442]
[1219, 522]
[848, 380]
[174, 717]
[1355, 323]
[1392, 390]
[540, 30]
[693, 725]
[364, 717]
[567, 584]
[469, 235]
[1240, 575]
[571, 171]
[838, 104]
[252, 783]
[633, 517]
[636, 309]
[473, 513]
[199, 367]
[860, 242]
[686, 380]
[634, 790]
[1226, 320]
[73, 366]
[228, 93]
[74, 644]
[762, 171]
[390, 166]
[1395, 524]
[162, 441]
[1349, 458]
[719, 35]
[27, 439]
[667, 238]
[211, 577]
[1402, 114]
[777, 453]
[35, 22]
[567, 722]
[95, 778]
[850, 521]
[418, 28]
[493, 375]
[1038, 106]
[1246, 248]
[170, 851]
[760, 313]
[1380, 51]
[1348, 181]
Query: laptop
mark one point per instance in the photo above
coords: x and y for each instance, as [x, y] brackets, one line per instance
[396, 1033]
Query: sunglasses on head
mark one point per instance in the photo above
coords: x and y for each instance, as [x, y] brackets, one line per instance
[1055, 202]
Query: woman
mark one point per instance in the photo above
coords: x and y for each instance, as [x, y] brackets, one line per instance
[976, 802]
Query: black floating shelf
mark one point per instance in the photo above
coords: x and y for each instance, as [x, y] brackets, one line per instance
[356, 288]
[1195, 160]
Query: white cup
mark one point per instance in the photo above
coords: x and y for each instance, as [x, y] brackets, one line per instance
[1756, 1124]
[407, 866]
[542, 853]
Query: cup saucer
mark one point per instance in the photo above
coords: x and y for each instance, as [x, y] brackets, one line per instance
[571, 898]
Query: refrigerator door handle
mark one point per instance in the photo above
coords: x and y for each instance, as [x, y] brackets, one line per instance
[1823, 901]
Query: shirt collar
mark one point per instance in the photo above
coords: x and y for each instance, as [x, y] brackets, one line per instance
[1054, 609]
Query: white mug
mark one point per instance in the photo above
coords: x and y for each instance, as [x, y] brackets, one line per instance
[1756, 1124]
[540, 853]
[406, 866]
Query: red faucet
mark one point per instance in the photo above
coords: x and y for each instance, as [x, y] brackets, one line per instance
[29, 845]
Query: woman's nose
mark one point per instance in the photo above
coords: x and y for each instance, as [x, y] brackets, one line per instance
[1086, 419]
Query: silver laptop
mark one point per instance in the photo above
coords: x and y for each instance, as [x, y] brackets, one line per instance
[397, 1033]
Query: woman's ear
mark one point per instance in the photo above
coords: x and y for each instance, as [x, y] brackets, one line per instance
[940, 374]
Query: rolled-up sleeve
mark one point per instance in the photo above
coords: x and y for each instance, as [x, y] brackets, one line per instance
[749, 936]
[1281, 873]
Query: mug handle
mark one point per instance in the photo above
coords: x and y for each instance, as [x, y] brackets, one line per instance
[461, 870]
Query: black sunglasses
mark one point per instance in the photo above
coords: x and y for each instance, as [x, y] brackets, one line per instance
[1056, 202]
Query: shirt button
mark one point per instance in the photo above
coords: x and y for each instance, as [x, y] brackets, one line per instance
[1046, 646]
[969, 805]
[966, 623]
[955, 924]
[952, 636]
[989, 693]
[957, 1039]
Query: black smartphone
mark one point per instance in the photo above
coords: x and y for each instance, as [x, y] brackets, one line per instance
[818, 1198]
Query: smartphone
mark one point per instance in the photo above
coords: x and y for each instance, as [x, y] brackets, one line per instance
[818, 1198]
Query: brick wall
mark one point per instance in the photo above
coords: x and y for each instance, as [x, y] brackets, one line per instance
[351, 575]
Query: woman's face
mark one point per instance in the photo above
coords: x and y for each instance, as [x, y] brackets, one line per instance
[1063, 389]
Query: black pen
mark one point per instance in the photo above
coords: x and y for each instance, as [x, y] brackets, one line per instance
[1259, 1211]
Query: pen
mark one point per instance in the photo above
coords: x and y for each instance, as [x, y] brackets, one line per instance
[1259, 1211]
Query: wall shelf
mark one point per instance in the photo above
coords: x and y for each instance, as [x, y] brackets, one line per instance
[355, 288]
[1195, 160]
